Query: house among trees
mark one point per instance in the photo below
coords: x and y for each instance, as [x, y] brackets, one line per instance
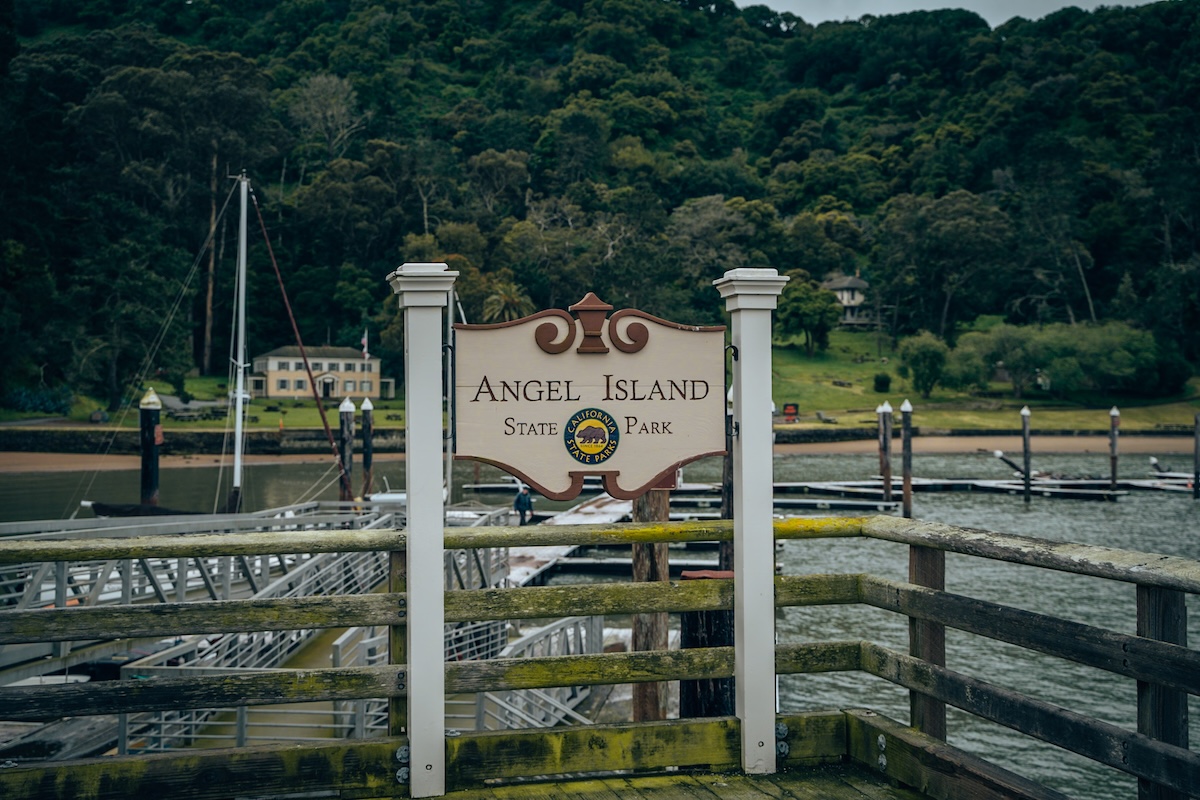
[337, 371]
[851, 294]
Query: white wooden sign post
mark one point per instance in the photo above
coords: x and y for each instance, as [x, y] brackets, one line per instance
[750, 297]
[423, 290]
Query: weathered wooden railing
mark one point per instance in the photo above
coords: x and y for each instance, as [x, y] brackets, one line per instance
[1165, 670]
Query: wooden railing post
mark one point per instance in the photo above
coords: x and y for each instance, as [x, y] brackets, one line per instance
[927, 640]
[424, 291]
[750, 297]
[1162, 712]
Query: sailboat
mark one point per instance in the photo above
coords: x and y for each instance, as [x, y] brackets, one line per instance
[239, 397]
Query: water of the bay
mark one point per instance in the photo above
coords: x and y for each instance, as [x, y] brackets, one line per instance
[1153, 522]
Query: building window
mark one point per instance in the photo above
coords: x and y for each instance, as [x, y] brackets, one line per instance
[301, 384]
[282, 384]
[318, 366]
[368, 367]
[347, 387]
[348, 367]
[298, 366]
[364, 387]
[281, 365]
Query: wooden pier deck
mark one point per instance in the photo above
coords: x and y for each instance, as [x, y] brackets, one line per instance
[832, 782]
[847, 753]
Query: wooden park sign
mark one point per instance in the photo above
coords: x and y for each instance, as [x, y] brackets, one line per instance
[556, 396]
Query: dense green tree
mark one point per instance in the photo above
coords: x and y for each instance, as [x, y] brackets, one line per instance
[805, 308]
[1044, 171]
[925, 357]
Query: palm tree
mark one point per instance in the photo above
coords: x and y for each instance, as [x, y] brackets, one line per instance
[507, 301]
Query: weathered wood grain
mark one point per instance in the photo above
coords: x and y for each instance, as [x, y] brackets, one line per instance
[1173, 767]
[1144, 569]
[1132, 656]
[364, 768]
[927, 639]
[1162, 711]
[475, 757]
[217, 616]
[930, 765]
[202, 545]
[267, 687]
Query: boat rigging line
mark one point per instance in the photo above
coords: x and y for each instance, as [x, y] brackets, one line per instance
[346, 490]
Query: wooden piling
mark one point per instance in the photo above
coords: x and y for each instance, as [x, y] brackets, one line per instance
[650, 630]
[885, 449]
[1028, 453]
[150, 419]
[706, 697]
[906, 457]
[346, 448]
[368, 445]
[1113, 434]
[1196, 461]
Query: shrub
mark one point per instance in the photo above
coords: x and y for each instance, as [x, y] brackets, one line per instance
[883, 382]
[50, 401]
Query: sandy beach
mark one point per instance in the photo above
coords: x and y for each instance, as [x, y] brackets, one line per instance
[1129, 445]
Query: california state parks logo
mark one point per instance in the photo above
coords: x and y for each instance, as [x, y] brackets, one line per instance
[591, 436]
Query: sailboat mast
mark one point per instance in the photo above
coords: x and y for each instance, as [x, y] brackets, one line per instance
[240, 351]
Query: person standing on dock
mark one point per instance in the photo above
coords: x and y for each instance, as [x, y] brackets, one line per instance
[523, 504]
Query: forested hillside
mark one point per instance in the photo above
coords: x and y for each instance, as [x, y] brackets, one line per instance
[1045, 171]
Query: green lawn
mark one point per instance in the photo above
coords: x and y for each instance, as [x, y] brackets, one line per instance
[839, 383]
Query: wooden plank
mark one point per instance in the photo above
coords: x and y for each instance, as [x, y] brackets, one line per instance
[607, 668]
[931, 766]
[589, 535]
[1166, 572]
[536, 602]
[203, 545]
[359, 768]
[818, 657]
[273, 687]
[216, 616]
[819, 527]
[1130, 752]
[476, 757]
[1133, 656]
[814, 738]
[816, 590]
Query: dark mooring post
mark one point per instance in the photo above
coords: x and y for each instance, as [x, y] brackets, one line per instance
[1028, 476]
[885, 449]
[368, 444]
[706, 697]
[725, 549]
[906, 456]
[150, 419]
[650, 630]
[1196, 460]
[346, 449]
[1113, 433]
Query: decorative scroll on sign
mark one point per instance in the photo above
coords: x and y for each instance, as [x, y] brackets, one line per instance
[557, 396]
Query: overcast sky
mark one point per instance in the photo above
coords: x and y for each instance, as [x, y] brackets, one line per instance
[996, 12]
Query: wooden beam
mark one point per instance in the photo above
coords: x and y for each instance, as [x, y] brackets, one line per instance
[217, 616]
[1173, 767]
[1166, 572]
[931, 766]
[251, 688]
[1137, 657]
[367, 768]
